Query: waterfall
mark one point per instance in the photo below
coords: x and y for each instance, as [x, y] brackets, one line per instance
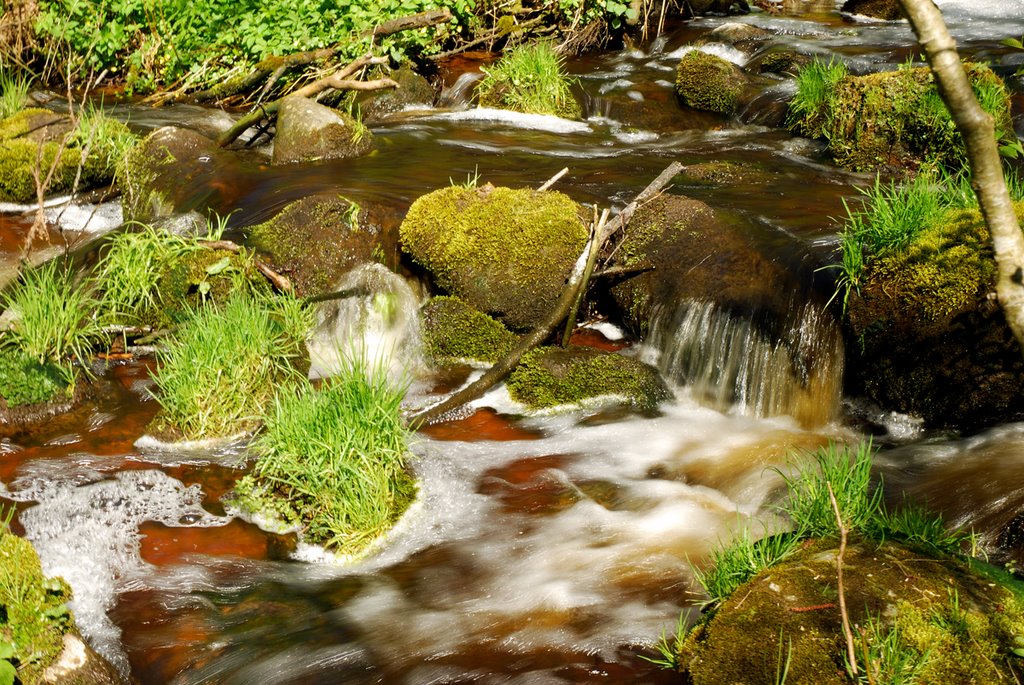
[729, 361]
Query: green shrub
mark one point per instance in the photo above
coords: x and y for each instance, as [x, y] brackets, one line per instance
[218, 371]
[55, 321]
[529, 79]
[337, 456]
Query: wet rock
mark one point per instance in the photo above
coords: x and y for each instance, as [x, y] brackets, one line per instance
[164, 170]
[316, 240]
[505, 252]
[728, 173]
[879, 9]
[552, 376]
[413, 91]
[739, 34]
[928, 337]
[308, 131]
[454, 331]
[32, 393]
[777, 60]
[709, 83]
[967, 622]
[80, 664]
[24, 135]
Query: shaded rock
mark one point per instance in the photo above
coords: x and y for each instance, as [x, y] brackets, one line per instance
[966, 622]
[413, 91]
[505, 252]
[708, 82]
[777, 60]
[316, 240]
[879, 9]
[454, 331]
[31, 131]
[308, 131]
[739, 34]
[928, 335]
[168, 167]
[727, 173]
[80, 664]
[553, 376]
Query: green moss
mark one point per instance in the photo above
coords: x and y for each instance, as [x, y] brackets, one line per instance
[34, 615]
[505, 252]
[452, 331]
[201, 276]
[897, 119]
[551, 376]
[707, 82]
[24, 381]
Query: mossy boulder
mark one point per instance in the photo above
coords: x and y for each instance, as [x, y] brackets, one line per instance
[727, 173]
[24, 381]
[777, 59]
[316, 240]
[879, 9]
[37, 624]
[552, 376]
[200, 277]
[896, 120]
[413, 91]
[505, 252]
[967, 623]
[169, 167]
[928, 336]
[308, 132]
[22, 136]
[453, 331]
[709, 83]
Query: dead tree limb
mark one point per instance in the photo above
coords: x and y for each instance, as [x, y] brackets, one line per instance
[339, 80]
[538, 335]
[412, 21]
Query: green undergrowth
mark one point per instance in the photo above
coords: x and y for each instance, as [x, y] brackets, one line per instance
[529, 79]
[14, 87]
[24, 381]
[334, 459]
[34, 616]
[217, 372]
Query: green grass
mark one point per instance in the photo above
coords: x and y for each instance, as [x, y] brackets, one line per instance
[815, 88]
[14, 89]
[667, 645]
[529, 79]
[55, 319]
[734, 563]
[219, 370]
[337, 456]
[884, 656]
[104, 137]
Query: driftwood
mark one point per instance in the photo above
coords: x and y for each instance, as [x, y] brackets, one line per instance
[338, 81]
[574, 289]
[277, 280]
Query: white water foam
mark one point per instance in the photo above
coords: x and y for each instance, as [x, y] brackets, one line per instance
[533, 122]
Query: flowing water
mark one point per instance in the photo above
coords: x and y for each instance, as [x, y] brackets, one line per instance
[543, 549]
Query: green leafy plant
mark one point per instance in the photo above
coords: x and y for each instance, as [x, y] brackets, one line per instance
[337, 457]
[218, 371]
[529, 79]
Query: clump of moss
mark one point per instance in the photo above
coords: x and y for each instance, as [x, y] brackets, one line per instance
[505, 252]
[529, 79]
[24, 381]
[34, 616]
[708, 82]
[893, 119]
[552, 376]
[202, 276]
[453, 331]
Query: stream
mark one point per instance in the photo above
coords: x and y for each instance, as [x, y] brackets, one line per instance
[544, 548]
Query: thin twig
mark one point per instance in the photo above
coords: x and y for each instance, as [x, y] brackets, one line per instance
[554, 179]
[851, 651]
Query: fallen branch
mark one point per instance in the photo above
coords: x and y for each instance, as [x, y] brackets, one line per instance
[339, 80]
[277, 280]
[573, 289]
[412, 21]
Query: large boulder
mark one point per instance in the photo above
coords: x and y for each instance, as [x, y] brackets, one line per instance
[308, 131]
[505, 252]
[928, 336]
[709, 83]
[170, 167]
[316, 240]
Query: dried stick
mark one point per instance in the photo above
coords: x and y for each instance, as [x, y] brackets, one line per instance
[554, 179]
[851, 652]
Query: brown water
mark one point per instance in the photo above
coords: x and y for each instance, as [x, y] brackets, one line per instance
[544, 549]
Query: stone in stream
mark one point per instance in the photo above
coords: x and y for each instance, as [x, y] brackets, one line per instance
[308, 131]
[453, 331]
[879, 9]
[709, 83]
[413, 91]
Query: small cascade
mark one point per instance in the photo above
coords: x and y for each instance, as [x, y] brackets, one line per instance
[377, 319]
[729, 361]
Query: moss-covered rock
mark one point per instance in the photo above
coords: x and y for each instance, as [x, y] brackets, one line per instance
[879, 9]
[777, 59]
[529, 79]
[505, 252]
[553, 376]
[725, 172]
[308, 131]
[708, 82]
[966, 623]
[25, 134]
[202, 276]
[454, 331]
[316, 240]
[24, 380]
[739, 34]
[168, 167]
[897, 120]
[928, 335]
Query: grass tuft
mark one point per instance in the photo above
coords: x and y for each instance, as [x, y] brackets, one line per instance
[529, 79]
[337, 456]
[13, 92]
[106, 139]
[885, 656]
[735, 563]
[815, 90]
